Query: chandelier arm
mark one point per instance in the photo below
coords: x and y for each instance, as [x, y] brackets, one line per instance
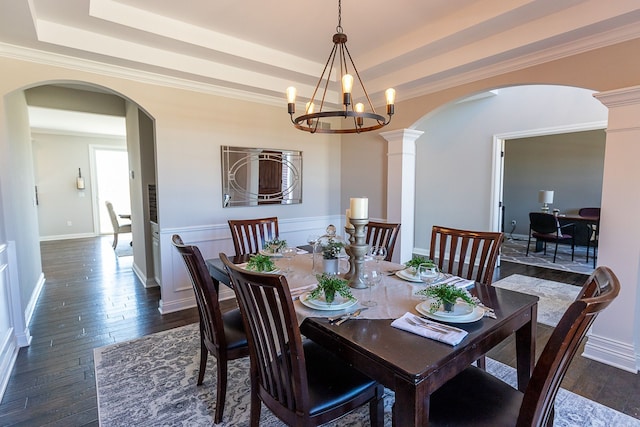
[326, 66]
[360, 80]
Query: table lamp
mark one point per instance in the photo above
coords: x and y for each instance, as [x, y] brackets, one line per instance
[546, 198]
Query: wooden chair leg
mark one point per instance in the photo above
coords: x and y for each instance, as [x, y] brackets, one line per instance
[221, 389]
[256, 406]
[204, 354]
[482, 363]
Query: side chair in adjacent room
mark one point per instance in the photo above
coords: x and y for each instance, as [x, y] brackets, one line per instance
[221, 334]
[118, 227]
[302, 383]
[545, 227]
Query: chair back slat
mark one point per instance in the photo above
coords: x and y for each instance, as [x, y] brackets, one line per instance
[599, 290]
[465, 253]
[211, 325]
[275, 344]
[383, 234]
[250, 235]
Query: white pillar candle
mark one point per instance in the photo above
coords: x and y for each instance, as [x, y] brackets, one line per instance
[359, 208]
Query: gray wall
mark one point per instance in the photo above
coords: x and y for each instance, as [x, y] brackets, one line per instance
[57, 158]
[571, 164]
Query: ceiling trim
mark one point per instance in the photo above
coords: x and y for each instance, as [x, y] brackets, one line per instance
[85, 65]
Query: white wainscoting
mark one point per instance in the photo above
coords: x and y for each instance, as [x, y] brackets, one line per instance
[176, 291]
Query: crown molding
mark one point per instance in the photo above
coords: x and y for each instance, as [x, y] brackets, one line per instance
[85, 65]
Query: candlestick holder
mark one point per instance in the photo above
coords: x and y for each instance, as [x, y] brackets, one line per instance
[356, 249]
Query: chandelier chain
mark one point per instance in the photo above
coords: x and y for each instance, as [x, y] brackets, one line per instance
[339, 27]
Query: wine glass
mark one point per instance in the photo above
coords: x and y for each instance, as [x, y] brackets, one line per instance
[371, 278]
[378, 253]
[288, 253]
[428, 273]
[313, 240]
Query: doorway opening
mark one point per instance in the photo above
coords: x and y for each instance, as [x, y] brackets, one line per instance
[110, 165]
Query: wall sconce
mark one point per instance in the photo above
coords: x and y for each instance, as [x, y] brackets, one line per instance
[546, 198]
[80, 180]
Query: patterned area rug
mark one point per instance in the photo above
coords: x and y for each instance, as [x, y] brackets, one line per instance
[150, 381]
[555, 297]
[515, 251]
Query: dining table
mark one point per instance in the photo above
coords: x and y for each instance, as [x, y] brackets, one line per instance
[411, 365]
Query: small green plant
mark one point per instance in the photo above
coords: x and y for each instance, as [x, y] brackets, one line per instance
[417, 260]
[330, 285]
[274, 245]
[331, 249]
[260, 263]
[446, 294]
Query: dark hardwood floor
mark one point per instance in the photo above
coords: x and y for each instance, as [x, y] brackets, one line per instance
[91, 298]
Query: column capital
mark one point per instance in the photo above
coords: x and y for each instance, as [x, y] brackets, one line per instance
[405, 135]
[619, 97]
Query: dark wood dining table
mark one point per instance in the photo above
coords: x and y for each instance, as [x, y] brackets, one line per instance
[412, 366]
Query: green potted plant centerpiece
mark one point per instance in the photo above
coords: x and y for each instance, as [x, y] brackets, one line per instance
[260, 264]
[330, 251]
[274, 246]
[329, 285]
[416, 261]
[446, 295]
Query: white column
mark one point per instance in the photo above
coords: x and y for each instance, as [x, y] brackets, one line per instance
[401, 184]
[614, 336]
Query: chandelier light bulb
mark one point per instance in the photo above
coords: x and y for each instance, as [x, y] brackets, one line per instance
[347, 83]
[291, 94]
[309, 108]
[360, 107]
[390, 94]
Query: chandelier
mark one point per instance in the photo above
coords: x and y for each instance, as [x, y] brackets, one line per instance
[360, 120]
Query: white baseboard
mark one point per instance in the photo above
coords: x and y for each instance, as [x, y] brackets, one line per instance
[8, 355]
[611, 352]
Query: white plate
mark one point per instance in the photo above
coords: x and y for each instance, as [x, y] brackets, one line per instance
[459, 315]
[403, 274]
[244, 266]
[268, 252]
[339, 303]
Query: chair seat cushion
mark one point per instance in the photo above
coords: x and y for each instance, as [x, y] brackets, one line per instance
[234, 329]
[551, 236]
[331, 380]
[475, 398]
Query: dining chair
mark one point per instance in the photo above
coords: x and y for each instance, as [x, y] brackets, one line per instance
[250, 235]
[545, 227]
[592, 241]
[475, 397]
[302, 383]
[221, 334]
[383, 234]
[465, 253]
[118, 227]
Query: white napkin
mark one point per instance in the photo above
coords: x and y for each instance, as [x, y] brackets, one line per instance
[453, 336]
[299, 291]
[460, 282]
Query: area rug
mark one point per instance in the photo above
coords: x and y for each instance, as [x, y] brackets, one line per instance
[514, 250]
[555, 297]
[151, 381]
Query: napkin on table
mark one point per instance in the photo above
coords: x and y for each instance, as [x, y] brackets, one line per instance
[295, 293]
[459, 282]
[452, 337]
